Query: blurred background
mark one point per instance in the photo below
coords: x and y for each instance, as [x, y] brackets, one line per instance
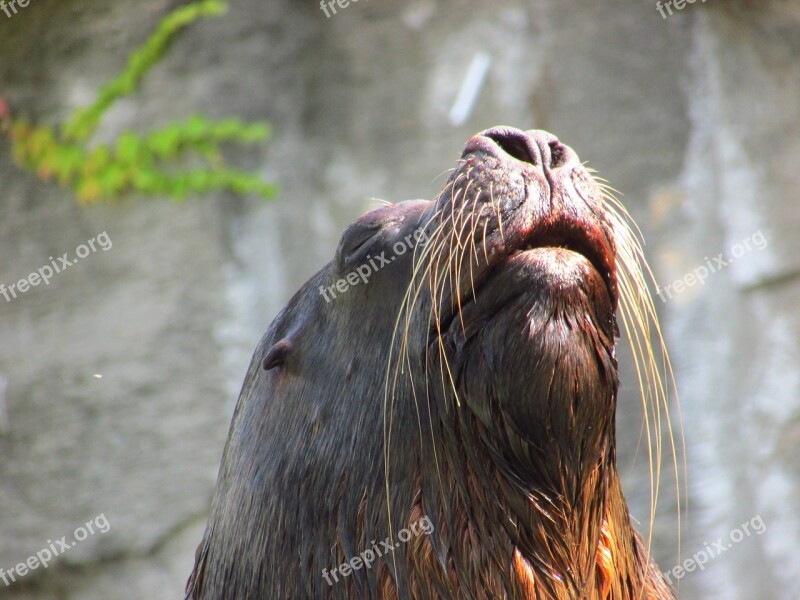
[118, 378]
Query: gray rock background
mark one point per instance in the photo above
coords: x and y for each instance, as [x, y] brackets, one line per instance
[695, 118]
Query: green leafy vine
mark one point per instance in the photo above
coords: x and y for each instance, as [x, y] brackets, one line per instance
[137, 162]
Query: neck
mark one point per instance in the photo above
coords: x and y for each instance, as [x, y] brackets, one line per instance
[529, 522]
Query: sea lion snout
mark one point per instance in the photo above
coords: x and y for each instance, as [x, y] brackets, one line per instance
[514, 191]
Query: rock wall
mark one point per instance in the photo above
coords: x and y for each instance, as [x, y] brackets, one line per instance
[694, 117]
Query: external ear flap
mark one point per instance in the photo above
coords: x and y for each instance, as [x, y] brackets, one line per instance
[277, 354]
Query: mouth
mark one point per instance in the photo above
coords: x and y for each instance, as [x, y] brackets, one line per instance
[589, 242]
[557, 237]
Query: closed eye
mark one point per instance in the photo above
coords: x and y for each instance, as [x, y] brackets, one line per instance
[359, 242]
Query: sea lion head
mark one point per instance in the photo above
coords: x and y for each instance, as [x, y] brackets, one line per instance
[455, 361]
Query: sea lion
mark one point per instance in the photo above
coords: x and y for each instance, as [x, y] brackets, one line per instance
[440, 423]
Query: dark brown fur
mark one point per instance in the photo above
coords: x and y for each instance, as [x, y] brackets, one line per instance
[471, 381]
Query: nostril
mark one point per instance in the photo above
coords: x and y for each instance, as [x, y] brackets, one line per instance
[557, 154]
[514, 144]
